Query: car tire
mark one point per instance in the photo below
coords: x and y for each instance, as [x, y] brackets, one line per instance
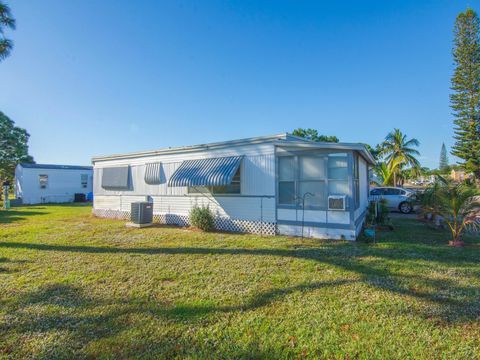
[405, 207]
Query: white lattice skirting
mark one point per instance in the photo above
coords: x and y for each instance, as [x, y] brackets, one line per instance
[221, 223]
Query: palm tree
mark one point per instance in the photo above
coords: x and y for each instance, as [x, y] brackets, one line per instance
[385, 171]
[6, 21]
[397, 149]
[457, 203]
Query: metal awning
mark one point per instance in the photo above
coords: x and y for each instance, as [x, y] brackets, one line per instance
[153, 173]
[206, 172]
[115, 177]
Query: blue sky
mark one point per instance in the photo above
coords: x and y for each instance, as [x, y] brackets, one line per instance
[101, 77]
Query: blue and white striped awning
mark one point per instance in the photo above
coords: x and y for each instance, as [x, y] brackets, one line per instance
[206, 172]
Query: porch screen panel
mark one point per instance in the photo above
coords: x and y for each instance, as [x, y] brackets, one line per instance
[286, 180]
[338, 174]
[312, 180]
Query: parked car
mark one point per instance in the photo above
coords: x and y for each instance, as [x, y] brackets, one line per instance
[397, 198]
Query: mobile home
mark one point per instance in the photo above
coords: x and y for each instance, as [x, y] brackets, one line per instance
[46, 183]
[279, 184]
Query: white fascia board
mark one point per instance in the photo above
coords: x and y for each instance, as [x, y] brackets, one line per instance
[332, 146]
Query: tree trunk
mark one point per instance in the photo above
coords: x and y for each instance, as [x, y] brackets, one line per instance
[395, 179]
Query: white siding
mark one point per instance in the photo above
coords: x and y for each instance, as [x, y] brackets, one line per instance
[257, 181]
[107, 202]
[317, 232]
[364, 187]
[330, 217]
[258, 176]
[234, 207]
[62, 186]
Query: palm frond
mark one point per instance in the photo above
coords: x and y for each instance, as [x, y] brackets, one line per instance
[6, 18]
[6, 47]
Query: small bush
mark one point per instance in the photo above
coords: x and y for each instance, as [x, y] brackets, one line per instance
[378, 213]
[202, 218]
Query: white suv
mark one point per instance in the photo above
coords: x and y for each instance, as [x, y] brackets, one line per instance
[397, 198]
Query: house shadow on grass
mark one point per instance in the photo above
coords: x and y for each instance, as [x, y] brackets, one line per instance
[85, 320]
[452, 301]
[11, 216]
[6, 265]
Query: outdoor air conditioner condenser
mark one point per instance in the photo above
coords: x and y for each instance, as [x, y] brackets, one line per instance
[141, 213]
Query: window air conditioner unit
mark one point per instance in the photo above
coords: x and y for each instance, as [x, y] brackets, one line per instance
[336, 202]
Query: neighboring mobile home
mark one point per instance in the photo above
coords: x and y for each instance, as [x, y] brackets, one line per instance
[279, 184]
[45, 183]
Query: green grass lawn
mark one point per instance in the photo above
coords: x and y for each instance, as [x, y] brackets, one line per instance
[73, 286]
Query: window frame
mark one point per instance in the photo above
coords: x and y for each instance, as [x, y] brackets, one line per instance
[294, 180]
[84, 184]
[45, 180]
[356, 180]
[323, 180]
[297, 204]
[213, 190]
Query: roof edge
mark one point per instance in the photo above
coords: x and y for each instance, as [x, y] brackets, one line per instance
[192, 148]
[331, 145]
[55, 166]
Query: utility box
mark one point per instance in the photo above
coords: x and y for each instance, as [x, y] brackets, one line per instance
[141, 213]
[79, 197]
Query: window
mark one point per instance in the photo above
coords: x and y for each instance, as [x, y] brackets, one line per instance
[286, 180]
[356, 181]
[338, 174]
[313, 178]
[377, 192]
[84, 180]
[232, 188]
[43, 180]
[392, 191]
[314, 192]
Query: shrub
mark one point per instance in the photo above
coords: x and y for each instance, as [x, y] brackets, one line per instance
[458, 204]
[378, 213]
[202, 218]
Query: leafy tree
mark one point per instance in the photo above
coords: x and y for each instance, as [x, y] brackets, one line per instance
[399, 152]
[6, 21]
[13, 147]
[443, 166]
[465, 100]
[312, 135]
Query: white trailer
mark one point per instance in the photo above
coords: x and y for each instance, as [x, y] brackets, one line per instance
[45, 183]
[277, 184]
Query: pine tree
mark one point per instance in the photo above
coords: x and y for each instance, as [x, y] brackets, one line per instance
[465, 100]
[443, 166]
[6, 22]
